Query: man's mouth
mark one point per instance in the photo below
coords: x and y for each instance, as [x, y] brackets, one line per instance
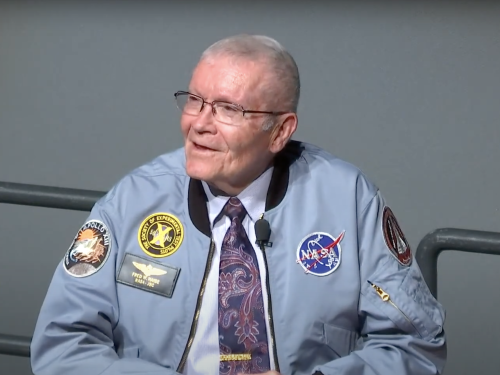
[202, 148]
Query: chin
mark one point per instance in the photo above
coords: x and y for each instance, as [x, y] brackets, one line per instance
[199, 170]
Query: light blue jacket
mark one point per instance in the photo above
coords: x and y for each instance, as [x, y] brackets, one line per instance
[372, 315]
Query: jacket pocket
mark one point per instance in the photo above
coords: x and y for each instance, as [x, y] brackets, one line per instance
[340, 340]
[428, 308]
[407, 301]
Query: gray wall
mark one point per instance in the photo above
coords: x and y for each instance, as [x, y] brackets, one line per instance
[409, 93]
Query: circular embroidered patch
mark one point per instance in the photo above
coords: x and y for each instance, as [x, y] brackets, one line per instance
[395, 238]
[160, 235]
[89, 250]
[319, 253]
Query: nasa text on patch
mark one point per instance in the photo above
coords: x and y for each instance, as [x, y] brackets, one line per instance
[89, 250]
[320, 253]
[147, 275]
[395, 238]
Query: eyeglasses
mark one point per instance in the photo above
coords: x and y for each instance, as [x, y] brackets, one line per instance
[223, 112]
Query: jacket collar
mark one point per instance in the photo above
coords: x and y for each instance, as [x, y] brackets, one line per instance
[197, 199]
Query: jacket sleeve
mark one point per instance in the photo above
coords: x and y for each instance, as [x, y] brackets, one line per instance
[401, 322]
[74, 334]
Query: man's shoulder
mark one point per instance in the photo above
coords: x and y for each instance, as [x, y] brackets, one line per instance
[171, 163]
[329, 170]
[316, 156]
[156, 172]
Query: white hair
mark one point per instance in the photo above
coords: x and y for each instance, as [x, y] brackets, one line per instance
[285, 86]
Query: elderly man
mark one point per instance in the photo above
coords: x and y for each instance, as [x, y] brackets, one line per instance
[243, 252]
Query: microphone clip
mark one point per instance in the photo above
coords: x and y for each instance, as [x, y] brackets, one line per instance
[263, 233]
[264, 243]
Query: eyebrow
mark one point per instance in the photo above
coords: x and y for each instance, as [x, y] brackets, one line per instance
[222, 98]
[227, 100]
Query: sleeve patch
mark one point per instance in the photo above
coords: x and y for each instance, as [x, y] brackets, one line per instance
[395, 238]
[89, 250]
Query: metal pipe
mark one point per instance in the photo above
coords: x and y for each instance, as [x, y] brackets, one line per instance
[470, 241]
[40, 196]
[48, 196]
[15, 345]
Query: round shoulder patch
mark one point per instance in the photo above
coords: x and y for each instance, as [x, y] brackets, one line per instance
[319, 253]
[395, 238]
[89, 251]
[160, 235]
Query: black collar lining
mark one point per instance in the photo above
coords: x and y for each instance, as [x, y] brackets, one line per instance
[197, 199]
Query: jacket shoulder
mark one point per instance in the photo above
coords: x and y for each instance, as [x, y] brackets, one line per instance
[168, 166]
[329, 170]
[324, 161]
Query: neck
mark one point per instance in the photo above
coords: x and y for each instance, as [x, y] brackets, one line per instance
[230, 189]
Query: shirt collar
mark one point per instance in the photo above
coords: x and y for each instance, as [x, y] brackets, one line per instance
[253, 198]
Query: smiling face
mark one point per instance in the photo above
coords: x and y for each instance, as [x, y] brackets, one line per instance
[226, 156]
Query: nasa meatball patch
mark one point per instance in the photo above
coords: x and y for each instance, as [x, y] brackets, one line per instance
[395, 238]
[319, 253]
[89, 251]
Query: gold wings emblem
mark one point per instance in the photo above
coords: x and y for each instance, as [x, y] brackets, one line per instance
[149, 270]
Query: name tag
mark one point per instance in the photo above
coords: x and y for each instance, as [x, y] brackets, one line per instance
[148, 275]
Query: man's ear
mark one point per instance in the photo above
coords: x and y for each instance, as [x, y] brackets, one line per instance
[282, 132]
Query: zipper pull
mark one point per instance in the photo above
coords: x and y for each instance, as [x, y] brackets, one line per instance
[387, 298]
[383, 295]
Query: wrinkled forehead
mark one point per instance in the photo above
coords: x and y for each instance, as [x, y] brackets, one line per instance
[230, 79]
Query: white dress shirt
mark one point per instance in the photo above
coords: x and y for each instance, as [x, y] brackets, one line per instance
[204, 353]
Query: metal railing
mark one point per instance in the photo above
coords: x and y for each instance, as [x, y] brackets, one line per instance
[427, 254]
[15, 345]
[41, 196]
[444, 239]
[48, 196]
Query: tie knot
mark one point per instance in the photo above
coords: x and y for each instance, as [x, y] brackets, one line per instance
[234, 208]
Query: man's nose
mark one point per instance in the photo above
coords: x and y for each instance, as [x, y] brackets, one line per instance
[205, 119]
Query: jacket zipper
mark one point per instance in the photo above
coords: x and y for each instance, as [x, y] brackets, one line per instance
[387, 298]
[198, 308]
[270, 311]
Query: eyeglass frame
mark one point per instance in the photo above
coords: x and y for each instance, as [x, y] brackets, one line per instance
[239, 107]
